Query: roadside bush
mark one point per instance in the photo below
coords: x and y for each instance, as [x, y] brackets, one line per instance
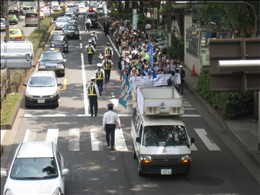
[228, 104]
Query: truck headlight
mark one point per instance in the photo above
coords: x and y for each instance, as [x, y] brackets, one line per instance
[60, 66]
[146, 159]
[186, 159]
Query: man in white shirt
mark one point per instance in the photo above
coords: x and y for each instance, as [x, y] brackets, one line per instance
[110, 120]
[88, 23]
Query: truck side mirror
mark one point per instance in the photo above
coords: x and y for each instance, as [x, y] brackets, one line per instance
[138, 140]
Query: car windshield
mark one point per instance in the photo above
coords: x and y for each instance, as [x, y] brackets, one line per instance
[52, 56]
[168, 135]
[42, 81]
[34, 168]
[62, 20]
[58, 37]
[71, 27]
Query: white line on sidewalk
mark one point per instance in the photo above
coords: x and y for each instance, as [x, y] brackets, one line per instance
[52, 135]
[120, 144]
[96, 144]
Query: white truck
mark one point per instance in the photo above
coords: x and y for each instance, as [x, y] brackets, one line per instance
[160, 140]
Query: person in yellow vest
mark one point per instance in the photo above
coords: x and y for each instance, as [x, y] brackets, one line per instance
[90, 51]
[108, 65]
[100, 77]
[109, 51]
[93, 95]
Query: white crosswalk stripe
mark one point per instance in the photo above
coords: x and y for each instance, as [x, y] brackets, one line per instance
[210, 144]
[96, 143]
[74, 139]
[98, 138]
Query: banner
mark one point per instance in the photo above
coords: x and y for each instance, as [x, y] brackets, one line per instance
[125, 91]
[146, 81]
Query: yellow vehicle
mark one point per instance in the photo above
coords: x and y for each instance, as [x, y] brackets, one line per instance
[16, 34]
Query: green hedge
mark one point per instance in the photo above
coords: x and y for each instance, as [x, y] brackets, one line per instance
[228, 104]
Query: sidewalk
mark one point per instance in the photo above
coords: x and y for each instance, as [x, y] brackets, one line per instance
[244, 130]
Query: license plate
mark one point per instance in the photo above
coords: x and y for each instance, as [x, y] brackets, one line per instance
[41, 101]
[57, 48]
[166, 171]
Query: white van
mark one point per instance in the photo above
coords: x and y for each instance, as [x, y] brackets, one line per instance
[160, 139]
[31, 19]
[16, 54]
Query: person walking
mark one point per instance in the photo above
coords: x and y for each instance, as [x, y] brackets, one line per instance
[182, 72]
[108, 65]
[106, 27]
[121, 67]
[99, 78]
[109, 51]
[90, 51]
[110, 121]
[93, 95]
[88, 24]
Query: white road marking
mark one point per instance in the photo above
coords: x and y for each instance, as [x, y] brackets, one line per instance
[193, 147]
[74, 139]
[211, 145]
[120, 144]
[115, 102]
[52, 135]
[191, 115]
[96, 144]
[30, 135]
[84, 85]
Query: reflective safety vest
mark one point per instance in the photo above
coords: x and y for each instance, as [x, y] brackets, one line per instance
[89, 50]
[92, 90]
[107, 65]
[108, 51]
[99, 75]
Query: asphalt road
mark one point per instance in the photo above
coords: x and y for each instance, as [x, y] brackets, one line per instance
[96, 170]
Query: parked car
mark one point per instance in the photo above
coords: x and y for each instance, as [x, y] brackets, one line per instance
[53, 60]
[60, 22]
[2, 23]
[42, 89]
[37, 168]
[71, 31]
[12, 19]
[59, 41]
[16, 34]
[93, 17]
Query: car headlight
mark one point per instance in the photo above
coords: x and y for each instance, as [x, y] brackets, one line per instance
[8, 192]
[55, 94]
[28, 94]
[186, 159]
[41, 67]
[57, 192]
[146, 159]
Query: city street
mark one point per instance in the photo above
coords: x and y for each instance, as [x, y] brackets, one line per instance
[96, 170]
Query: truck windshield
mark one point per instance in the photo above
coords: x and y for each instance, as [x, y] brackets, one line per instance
[164, 136]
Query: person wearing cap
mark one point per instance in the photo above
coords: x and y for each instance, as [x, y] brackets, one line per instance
[110, 121]
[88, 23]
[108, 65]
[90, 51]
[93, 95]
[109, 51]
[99, 73]
[93, 39]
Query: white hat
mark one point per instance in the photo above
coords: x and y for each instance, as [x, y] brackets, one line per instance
[91, 34]
[93, 78]
[99, 64]
[89, 40]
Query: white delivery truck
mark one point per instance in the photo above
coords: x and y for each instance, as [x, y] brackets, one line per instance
[16, 54]
[160, 139]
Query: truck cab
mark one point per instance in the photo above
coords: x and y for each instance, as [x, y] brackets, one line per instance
[160, 139]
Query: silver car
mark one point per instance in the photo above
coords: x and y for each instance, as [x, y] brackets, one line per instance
[42, 89]
[37, 168]
[60, 22]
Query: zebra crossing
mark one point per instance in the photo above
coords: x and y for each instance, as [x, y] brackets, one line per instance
[97, 138]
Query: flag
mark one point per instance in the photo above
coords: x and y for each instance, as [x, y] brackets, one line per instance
[150, 49]
[125, 91]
